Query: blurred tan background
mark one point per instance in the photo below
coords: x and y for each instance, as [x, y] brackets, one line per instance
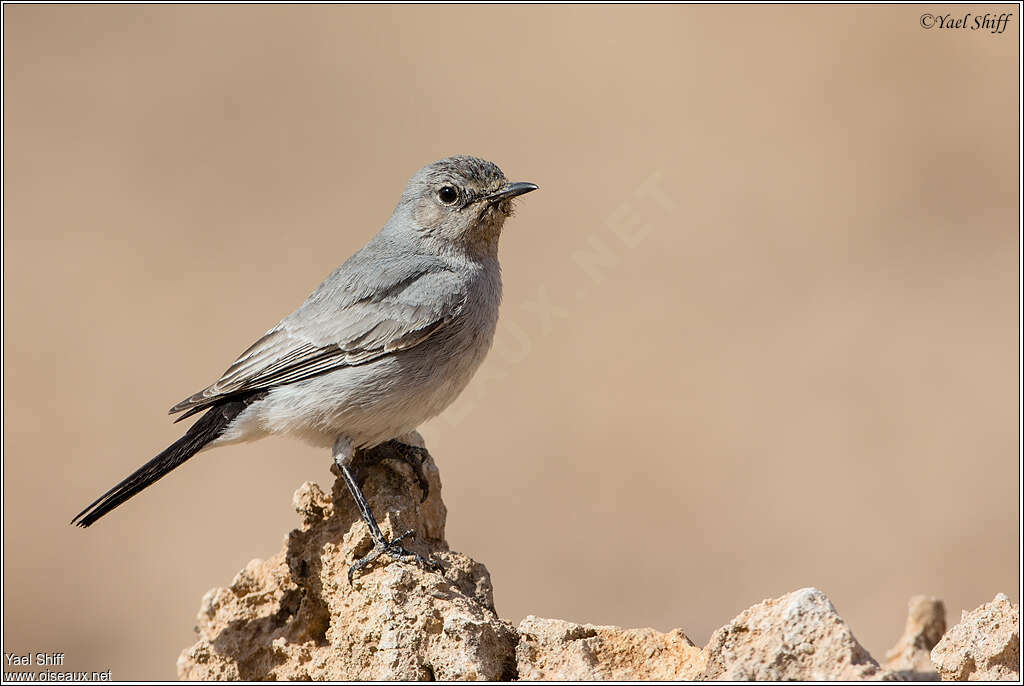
[760, 324]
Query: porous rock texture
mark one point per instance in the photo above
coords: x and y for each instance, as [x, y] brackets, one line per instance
[555, 650]
[796, 637]
[295, 617]
[984, 646]
[910, 658]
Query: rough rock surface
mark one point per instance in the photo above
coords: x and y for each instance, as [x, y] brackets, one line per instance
[984, 646]
[295, 617]
[910, 658]
[796, 637]
[555, 650]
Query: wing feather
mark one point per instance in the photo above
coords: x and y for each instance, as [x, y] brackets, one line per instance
[340, 329]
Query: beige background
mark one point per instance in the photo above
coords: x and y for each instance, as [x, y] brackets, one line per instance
[759, 331]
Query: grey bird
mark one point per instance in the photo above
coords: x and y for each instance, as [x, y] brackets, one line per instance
[386, 342]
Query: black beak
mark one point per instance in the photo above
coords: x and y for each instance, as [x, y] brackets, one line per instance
[510, 190]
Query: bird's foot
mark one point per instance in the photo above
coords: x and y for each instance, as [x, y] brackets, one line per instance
[396, 551]
[412, 455]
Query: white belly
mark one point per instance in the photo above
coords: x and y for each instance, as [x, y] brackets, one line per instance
[374, 402]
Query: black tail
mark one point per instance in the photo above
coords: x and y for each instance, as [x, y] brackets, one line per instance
[210, 426]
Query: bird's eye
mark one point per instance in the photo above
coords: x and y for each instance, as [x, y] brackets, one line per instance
[447, 195]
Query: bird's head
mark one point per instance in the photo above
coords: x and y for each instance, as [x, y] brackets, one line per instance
[461, 202]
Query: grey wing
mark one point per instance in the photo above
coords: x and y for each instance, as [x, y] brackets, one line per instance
[337, 330]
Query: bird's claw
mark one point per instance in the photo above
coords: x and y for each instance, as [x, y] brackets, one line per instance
[412, 455]
[396, 551]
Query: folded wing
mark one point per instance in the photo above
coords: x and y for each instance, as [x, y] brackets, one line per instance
[339, 326]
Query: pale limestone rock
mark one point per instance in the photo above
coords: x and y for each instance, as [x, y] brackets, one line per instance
[295, 617]
[555, 650]
[984, 646]
[910, 658]
[796, 637]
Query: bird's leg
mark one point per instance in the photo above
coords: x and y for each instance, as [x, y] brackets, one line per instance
[344, 454]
